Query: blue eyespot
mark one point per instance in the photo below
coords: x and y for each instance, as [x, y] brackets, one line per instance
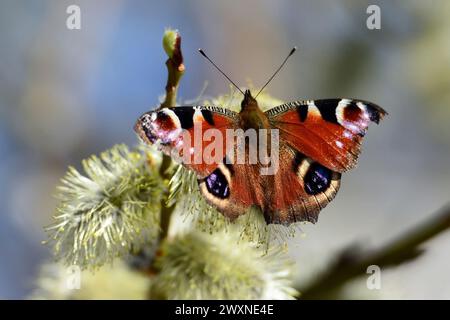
[317, 179]
[217, 184]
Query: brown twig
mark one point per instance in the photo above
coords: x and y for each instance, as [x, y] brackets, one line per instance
[166, 211]
[175, 70]
[352, 262]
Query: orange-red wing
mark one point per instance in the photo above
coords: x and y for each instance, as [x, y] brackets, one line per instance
[329, 131]
[195, 136]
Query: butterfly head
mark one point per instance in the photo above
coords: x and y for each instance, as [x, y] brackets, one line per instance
[248, 102]
[251, 116]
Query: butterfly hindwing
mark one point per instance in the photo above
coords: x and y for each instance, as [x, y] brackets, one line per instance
[233, 188]
[302, 187]
[330, 131]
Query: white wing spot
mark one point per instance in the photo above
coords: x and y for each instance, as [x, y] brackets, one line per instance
[198, 116]
[312, 109]
[363, 107]
[340, 110]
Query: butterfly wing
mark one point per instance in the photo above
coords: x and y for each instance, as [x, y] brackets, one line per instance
[320, 139]
[329, 131]
[185, 132]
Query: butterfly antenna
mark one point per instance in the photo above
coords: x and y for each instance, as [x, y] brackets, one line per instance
[234, 84]
[279, 68]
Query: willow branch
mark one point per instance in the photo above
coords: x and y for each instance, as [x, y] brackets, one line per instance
[175, 70]
[353, 262]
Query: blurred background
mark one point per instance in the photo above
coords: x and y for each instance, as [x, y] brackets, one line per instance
[66, 94]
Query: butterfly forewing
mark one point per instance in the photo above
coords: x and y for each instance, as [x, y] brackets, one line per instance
[329, 131]
[185, 132]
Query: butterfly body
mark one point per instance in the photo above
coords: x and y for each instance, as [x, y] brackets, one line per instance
[251, 116]
[317, 141]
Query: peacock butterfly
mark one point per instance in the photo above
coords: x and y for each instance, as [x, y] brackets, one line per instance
[314, 141]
